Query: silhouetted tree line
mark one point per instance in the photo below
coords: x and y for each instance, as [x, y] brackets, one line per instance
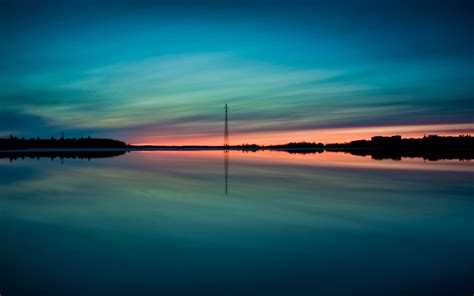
[248, 147]
[431, 142]
[14, 143]
[296, 145]
[429, 147]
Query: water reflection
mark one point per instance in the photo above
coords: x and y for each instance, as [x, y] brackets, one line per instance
[226, 169]
[297, 224]
[62, 154]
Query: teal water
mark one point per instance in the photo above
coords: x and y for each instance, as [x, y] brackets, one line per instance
[176, 223]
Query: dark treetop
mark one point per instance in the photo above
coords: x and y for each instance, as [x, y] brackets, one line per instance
[14, 143]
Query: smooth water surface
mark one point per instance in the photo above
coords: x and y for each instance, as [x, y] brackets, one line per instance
[235, 223]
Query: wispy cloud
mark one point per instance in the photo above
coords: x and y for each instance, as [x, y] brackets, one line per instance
[182, 97]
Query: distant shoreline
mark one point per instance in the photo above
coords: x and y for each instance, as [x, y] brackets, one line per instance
[431, 142]
[163, 148]
[429, 147]
[460, 154]
[198, 148]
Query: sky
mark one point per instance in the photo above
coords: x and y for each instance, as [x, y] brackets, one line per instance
[160, 72]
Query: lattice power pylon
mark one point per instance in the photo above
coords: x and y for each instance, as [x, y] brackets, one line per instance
[226, 150]
[226, 129]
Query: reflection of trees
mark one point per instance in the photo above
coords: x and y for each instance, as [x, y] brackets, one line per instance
[433, 155]
[394, 154]
[304, 151]
[84, 154]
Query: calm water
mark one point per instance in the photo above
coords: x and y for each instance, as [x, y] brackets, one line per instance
[161, 223]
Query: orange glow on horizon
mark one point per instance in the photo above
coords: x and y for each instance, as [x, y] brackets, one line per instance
[326, 136]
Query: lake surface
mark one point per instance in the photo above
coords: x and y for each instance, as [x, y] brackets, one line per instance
[236, 223]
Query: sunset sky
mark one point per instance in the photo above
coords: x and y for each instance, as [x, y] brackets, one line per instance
[160, 72]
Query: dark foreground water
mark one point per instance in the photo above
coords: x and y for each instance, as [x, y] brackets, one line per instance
[161, 223]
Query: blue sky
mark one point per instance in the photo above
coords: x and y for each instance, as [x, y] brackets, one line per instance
[161, 71]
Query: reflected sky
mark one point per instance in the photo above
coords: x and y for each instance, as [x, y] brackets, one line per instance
[161, 222]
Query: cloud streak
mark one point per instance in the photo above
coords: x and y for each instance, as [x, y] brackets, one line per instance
[184, 95]
[154, 72]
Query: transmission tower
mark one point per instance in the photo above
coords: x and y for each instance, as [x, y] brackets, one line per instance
[226, 129]
[226, 150]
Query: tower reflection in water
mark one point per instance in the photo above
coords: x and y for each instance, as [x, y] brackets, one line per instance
[226, 169]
